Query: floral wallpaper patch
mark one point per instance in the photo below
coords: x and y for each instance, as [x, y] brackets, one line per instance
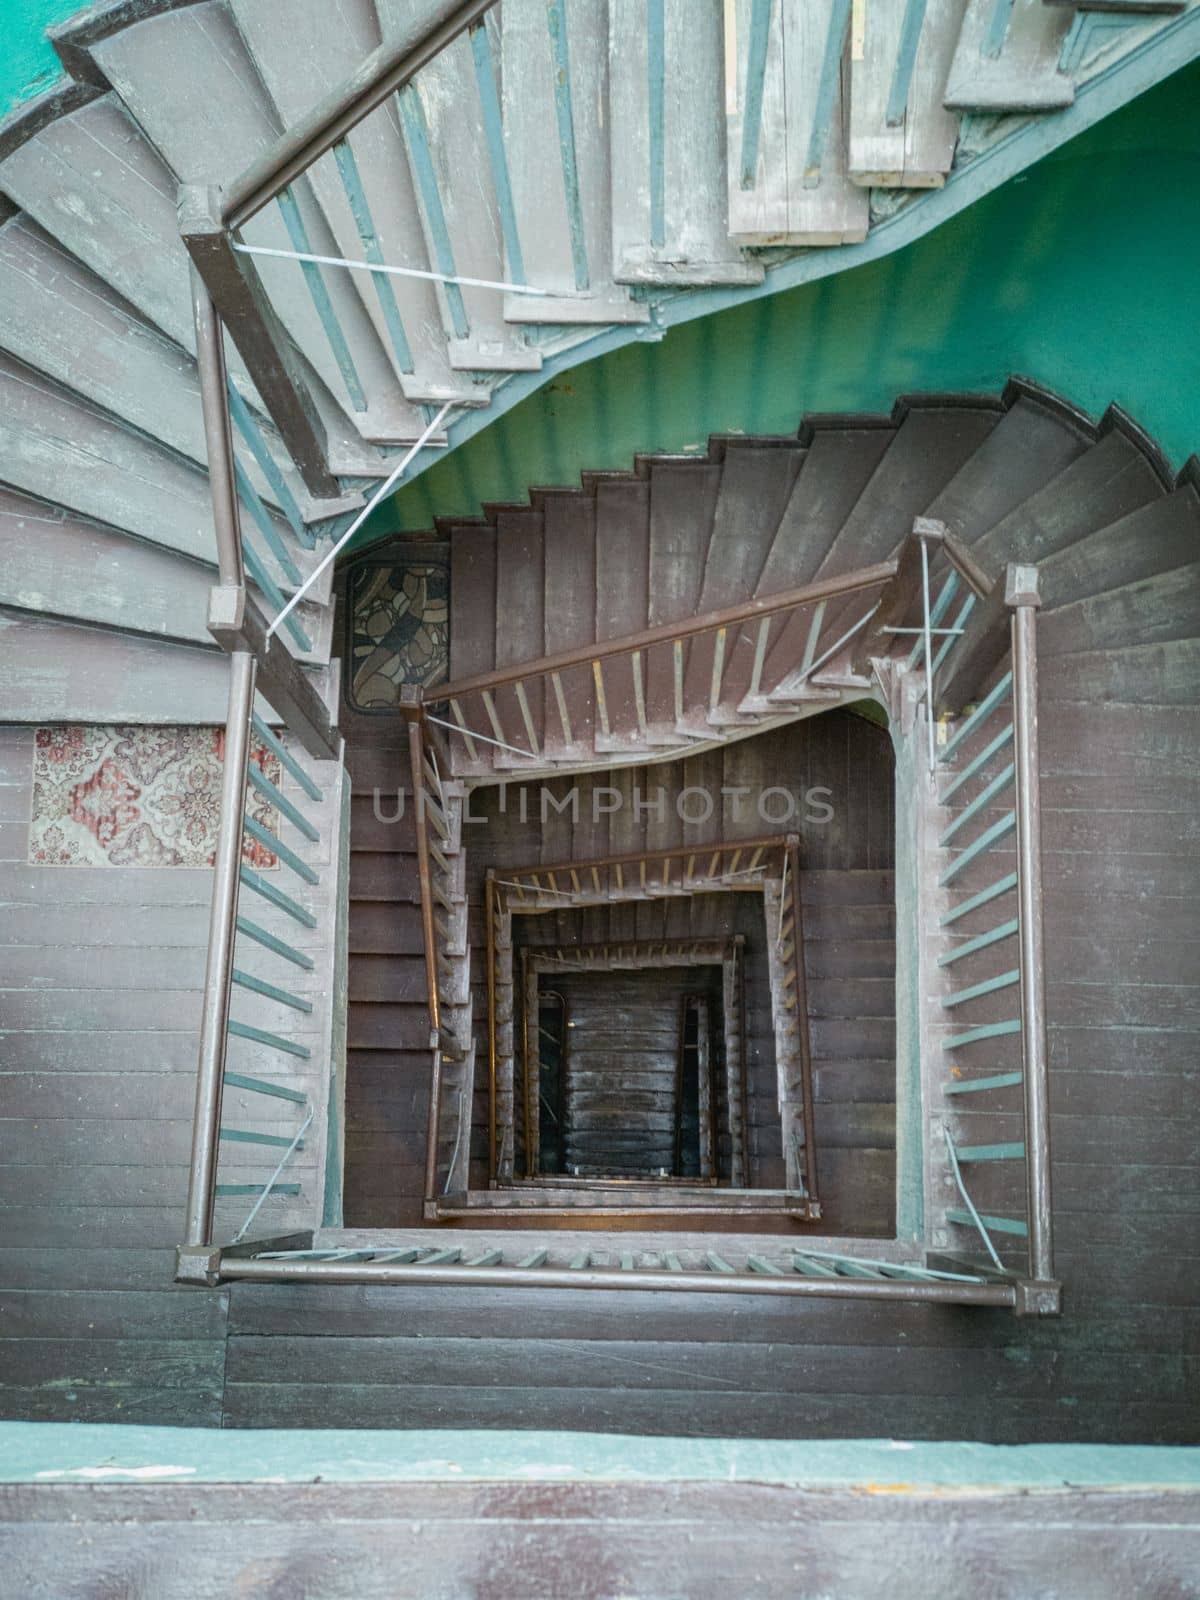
[399, 621]
[136, 797]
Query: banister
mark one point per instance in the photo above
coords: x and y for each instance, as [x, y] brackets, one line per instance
[386, 70]
[1022, 597]
[664, 633]
[411, 710]
[218, 975]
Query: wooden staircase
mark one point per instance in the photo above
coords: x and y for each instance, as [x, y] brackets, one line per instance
[804, 135]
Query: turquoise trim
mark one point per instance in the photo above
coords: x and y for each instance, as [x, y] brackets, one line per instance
[412, 114]
[985, 841]
[270, 991]
[277, 847]
[964, 1219]
[81, 1452]
[656, 72]
[265, 522]
[980, 761]
[991, 1152]
[243, 1030]
[988, 1030]
[996, 33]
[319, 294]
[556, 22]
[258, 574]
[270, 942]
[274, 743]
[756, 73]
[265, 888]
[360, 209]
[280, 801]
[988, 793]
[972, 946]
[998, 1080]
[827, 85]
[992, 892]
[977, 991]
[279, 1091]
[245, 423]
[906, 60]
[276, 1141]
[493, 129]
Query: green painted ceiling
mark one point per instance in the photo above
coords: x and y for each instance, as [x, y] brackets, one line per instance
[1080, 273]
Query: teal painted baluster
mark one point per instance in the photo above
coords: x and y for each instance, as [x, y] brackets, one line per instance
[412, 114]
[985, 707]
[243, 1030]
[985, 841]
[493, 129]
[319, 294]
[280, 1091]
[277, 847]
[964, 1219]
[831, 73]
[756, 72]
[997, 28]
[980, 761]
[556, 19]
[233, 1191]
[360, 209]
[265, 523]
[948, 644]
[270, 991]
[1004, 931]
[265, 888]
[280, 801]
[258, 574]
[985, 796]
[906, 60]
[244, 422]
[277, 1141]
[1005, 980]
[986, 1030]
[288, 760]
[992, 892]
[656, 71]
[936, 613]
[991, 1152]
[997, 1080]
[278, 946]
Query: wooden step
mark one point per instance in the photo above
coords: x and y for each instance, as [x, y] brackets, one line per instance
[209, 136]
[365, 190]
[553, 67]
[1154, 610]
[901, 134]
[669, 212]
[1007, 58]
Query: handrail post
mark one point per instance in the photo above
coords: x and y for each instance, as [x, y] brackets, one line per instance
[802, 1024]
[490, 918]
[218, 435]
[1022, 597]
[413, 712]
[218, 973]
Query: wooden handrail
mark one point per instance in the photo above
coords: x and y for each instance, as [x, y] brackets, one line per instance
[385, 71]
[781, 841]
[663, 633]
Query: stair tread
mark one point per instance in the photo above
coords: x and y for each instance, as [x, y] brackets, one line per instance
[916, 147]
[1023, 73]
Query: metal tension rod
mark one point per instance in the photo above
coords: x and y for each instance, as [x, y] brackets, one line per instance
[381, 493]
[396, 272]
[1021, 595]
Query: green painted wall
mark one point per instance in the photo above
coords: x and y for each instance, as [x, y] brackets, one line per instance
[1080, 273]
[27, 63]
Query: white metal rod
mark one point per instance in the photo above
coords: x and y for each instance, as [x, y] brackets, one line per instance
[394, 272]
[471, 733]
[385, 488]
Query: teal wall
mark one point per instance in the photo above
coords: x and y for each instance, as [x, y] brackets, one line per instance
[27, 63]
[1080, 273]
